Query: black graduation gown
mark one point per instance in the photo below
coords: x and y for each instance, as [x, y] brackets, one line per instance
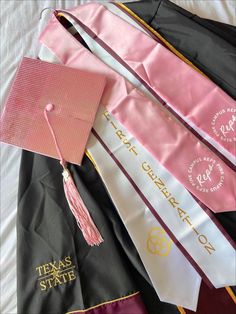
[47, 235]
[209, 45]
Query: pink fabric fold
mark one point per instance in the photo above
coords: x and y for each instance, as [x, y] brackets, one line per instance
[201, 171]
[185, 90]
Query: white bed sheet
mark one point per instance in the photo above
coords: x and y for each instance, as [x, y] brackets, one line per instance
[19, 29]
[219, 10]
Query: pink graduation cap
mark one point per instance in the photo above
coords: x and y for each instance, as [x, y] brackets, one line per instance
[50, 110]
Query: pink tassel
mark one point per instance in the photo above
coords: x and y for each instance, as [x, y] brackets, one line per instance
[79, 210]
[77, 206]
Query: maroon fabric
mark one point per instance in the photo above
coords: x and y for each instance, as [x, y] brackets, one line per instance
[131, 305]
[214, 301]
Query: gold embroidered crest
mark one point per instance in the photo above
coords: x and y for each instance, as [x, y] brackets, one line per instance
[158, 242]
[55, 273]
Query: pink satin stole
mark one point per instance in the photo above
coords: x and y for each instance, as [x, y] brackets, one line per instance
[188, 159]
[192, 95]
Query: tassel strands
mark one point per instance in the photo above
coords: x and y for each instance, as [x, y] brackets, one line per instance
[79, 210]
[89, 230]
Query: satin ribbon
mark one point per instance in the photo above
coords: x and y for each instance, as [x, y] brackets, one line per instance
[185, 90]
[189, 226]
[140, 221]
[192, 163]
[160, 256]
[97, 45]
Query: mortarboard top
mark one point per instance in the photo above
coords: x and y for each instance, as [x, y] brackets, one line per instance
[75, 96]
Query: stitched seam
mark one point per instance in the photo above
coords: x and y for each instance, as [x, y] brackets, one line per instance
[104, 304]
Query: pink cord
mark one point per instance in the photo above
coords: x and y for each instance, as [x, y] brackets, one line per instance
[47, 109]
[76, 204]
